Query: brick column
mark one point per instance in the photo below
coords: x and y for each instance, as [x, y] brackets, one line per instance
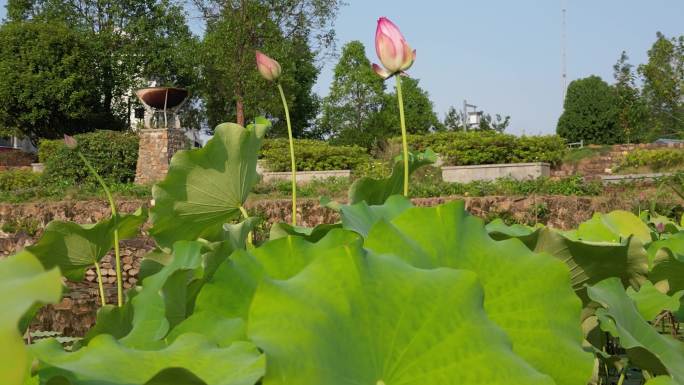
[156, 148]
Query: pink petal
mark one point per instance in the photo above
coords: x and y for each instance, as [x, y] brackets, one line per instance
[383, 73]
[389, 56]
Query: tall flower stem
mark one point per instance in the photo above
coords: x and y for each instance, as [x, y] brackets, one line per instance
[117, 256]
[404, 142]
[99, 283]
[293, 164]
[246, 215]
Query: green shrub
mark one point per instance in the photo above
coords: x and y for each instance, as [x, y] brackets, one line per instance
[312, 155]
[113, 154]
[459, 148]
[656, 160]
[574, 185]
[18, 180]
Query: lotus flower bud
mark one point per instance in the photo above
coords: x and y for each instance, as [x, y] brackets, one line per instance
[269, 68]
[392, 49]
[70, 142]
[660, 227]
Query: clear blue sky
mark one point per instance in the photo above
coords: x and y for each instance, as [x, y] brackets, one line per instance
[505, 56]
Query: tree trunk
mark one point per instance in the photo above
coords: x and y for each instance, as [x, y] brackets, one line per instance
[240, 111]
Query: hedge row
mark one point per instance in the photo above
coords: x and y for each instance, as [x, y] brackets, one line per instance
[656, 160]
[489, 147]
[312, 155]
[113, 154]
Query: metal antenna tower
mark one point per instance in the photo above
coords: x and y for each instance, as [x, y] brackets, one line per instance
[564, 69]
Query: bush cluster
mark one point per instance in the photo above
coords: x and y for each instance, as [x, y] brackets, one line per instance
[656, 160]
[18, 180]
[459, 148]
[113, 154]
[312, 155]
[574, 185]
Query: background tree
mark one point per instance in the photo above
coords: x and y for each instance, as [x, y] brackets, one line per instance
[132, 42]
[419, 109]
[295, 33]
[350, 111]
[453, 120]
[590, 113]
[497, 123]
[632, 112]
[47, 85]
[663, 88]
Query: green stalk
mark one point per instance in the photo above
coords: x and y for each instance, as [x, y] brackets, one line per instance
[404, 142]
[117, 256]
[99, 283]
[293, 164]
[246, 215]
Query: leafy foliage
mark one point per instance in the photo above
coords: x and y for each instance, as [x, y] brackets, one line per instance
[312, 155]
[656, 160]
[590, 113]
[489, 147]
[114, 156]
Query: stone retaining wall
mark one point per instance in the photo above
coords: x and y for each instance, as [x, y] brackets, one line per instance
[75, 314]
[491, 172]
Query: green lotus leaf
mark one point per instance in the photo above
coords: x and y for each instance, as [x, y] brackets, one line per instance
[527, 294]
[667, 262]
[229, 293]
[650, 301]
[74, 248]
[360, 217]
[107, 361]
[311, 234]
[205, 187]
[236, 234]
[175, 376]
[23, 282]
[500, 231]
[351, 319]
[646, 348]
[376, 191]
[613, 227]
[591, 262]
[161, 302]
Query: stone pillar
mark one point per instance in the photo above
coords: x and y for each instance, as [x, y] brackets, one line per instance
[156, 148]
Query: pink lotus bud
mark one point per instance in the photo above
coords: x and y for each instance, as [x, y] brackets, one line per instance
[70, 142]
[383, 73]
[660, 227]
[269, 68]
[394, 52]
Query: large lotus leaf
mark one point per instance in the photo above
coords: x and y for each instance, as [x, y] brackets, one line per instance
[311, 234]
[526, 294]
[376, 191]
[106, 361]
[74, 247]
[361, 216]
[661, 380]
[591, 262]
[620, 317]
[650, 301]
[229, 293]
[351, 319]
[613, 227]
[23, 283]
[500, 231]
[205, 187]
[161, 302]
[667, 261]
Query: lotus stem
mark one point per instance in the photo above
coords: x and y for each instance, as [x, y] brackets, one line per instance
[250, 239]
[293, 164]
[404, 142]
[99, 283]
[112, 205]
